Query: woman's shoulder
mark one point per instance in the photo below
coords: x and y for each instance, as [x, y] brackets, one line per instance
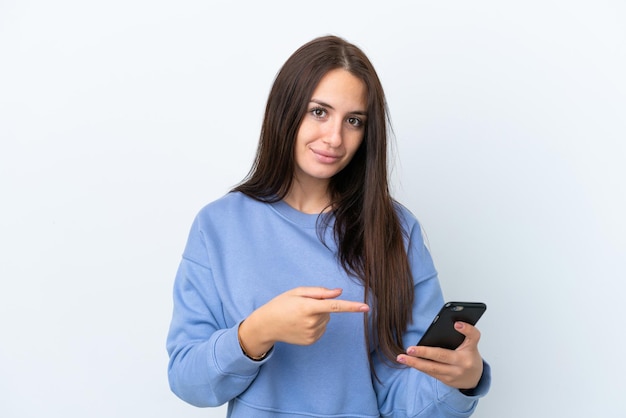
[410, 224]
[407, 218]
[229, 205]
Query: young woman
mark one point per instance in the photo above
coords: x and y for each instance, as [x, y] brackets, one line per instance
[303, 291]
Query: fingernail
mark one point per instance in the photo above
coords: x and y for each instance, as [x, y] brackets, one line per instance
[410, 351]
[400, 359]
[458, 325]
[364, 308]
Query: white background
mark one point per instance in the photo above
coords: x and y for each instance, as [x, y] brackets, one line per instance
[119, 119]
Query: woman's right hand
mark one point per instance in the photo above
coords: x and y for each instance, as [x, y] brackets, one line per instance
[298, 316]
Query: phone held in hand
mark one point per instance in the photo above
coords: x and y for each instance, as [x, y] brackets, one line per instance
[441, 332]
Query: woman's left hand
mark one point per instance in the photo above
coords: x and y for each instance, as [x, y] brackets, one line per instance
[461, 368]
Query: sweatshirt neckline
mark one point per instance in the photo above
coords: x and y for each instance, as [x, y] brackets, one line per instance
[305, 220]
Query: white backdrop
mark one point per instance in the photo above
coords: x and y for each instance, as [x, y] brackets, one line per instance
[119, 119]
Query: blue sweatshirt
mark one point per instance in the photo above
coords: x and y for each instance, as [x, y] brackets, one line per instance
[240, 254]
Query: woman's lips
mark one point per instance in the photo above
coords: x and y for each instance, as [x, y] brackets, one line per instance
[326, 157]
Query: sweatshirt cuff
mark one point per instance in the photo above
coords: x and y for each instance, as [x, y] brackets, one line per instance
[463, 402]
[230, 359]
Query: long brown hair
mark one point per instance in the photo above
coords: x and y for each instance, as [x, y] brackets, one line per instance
[367, 229]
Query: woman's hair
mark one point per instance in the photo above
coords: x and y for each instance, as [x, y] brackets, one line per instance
[367, 229]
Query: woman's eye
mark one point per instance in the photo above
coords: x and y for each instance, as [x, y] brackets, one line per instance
[318, 112]
[356, 122]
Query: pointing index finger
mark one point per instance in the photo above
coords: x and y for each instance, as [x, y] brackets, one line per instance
[325, 302]
[336, 306]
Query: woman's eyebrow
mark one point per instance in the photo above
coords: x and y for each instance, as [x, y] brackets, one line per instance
[324, 104]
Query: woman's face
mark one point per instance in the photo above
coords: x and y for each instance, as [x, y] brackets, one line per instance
[333, 127]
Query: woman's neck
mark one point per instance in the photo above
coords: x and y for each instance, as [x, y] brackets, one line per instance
[310, 198]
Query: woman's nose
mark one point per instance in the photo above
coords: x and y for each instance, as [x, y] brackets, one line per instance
[334, 134]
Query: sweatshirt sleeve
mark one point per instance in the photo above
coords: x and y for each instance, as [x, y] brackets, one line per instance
[406, 392]
[206, 365]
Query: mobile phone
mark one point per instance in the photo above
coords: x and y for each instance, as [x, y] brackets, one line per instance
[441, 332]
